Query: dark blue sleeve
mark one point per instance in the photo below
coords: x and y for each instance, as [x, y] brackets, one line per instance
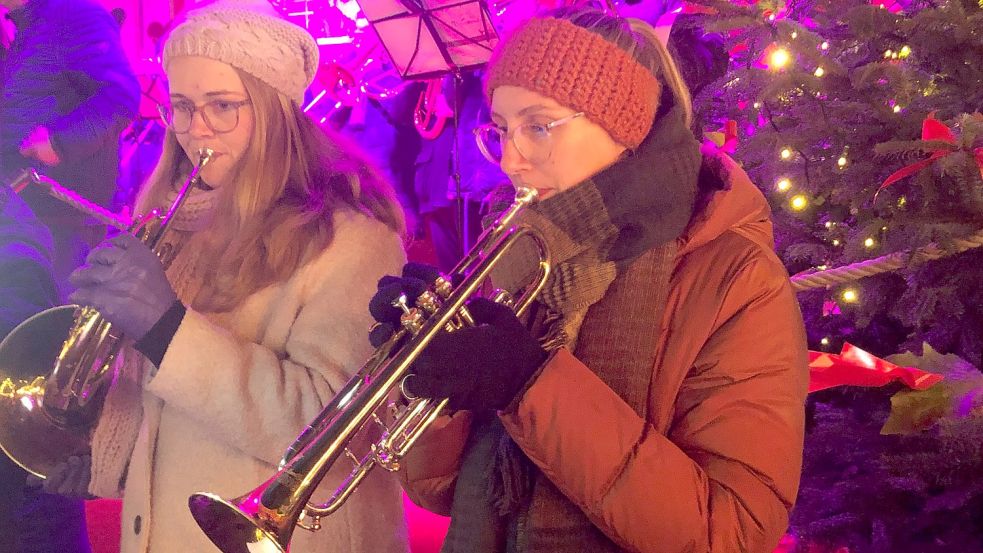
[26, 282]
[99, 70]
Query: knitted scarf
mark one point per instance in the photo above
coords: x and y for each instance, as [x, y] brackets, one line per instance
[613, 239]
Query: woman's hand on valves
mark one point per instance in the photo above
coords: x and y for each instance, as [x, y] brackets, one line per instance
[125, 281]
[477, 368]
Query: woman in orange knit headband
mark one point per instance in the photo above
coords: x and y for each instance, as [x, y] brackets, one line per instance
[653, 400]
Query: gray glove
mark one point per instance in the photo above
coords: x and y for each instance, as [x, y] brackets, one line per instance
[125, 282]
[70, 478]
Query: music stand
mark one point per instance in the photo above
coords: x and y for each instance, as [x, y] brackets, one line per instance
[429, 38]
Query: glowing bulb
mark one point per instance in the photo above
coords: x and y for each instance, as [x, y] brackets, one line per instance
[795, 34]
[869, 243]
[829, 224]
[884, 228]
[841, 162]
[799, 202]
[850, 295]
[822, 267]
[824, 46]
[905, 52]
[786, 153]
[757, 105]
[887, 53]
[824, 341]
[902, 201]
[819, 72]
[836, 242]
[783, 185]
[896, 108]
[779, 58]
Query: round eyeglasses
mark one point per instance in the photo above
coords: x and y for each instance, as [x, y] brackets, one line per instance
[221, 116]
[533, 141]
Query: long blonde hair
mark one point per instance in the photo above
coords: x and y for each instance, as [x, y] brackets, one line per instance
[640, 41]
[291, 179]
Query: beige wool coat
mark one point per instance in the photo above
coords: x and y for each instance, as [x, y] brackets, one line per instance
[235, 389]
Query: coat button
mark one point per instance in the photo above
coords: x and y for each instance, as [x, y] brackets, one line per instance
[137, 522]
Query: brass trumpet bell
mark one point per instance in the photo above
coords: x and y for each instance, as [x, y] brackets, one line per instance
[32, 435]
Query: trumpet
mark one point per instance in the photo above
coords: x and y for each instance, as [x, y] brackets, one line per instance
[52, 388]
[374, 400]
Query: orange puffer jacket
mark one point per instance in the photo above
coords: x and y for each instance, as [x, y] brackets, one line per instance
[716, 465]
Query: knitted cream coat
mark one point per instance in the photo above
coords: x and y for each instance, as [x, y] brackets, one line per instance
[235, 389]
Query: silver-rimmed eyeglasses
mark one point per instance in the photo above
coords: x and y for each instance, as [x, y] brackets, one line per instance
[533, 141]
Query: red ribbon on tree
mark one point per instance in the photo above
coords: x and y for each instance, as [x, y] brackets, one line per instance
[856, 367]
[932, 129]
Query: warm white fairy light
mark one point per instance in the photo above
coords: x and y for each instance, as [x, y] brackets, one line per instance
[786, 153]
[819, 72]
[779, 58]
[799, 202]
[783, 185]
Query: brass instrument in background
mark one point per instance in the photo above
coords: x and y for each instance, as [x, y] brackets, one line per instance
[264, 519]
[52, 387]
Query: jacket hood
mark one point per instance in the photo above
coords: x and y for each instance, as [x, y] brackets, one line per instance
[738, 206]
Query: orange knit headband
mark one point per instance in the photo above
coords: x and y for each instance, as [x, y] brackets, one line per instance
[581, 70]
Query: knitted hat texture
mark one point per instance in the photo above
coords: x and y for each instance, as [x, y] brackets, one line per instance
[579, 69]
[251, 36]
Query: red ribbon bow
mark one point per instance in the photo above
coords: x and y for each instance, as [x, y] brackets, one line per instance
[932, 129]
[855, 367]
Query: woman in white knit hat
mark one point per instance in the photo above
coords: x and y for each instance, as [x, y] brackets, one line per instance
[256, 317]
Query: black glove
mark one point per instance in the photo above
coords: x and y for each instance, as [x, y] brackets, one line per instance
[415, 280]
[69, 478]
[125, 282]
[483, 367]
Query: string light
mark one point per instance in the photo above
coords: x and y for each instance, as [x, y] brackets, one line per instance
[836, 242]
[884, 228]
[757, 105]
[888, 54]
[869, 243]
[824, 46]
[825, 341]
[850, 295]
[905, 52]
[799, 202]
[841, 162]
[902, 201]
[783, 185]
[896, 108]
[795, 34]
[779, 58]
[829, 224]
[819, 72]
[786, 153]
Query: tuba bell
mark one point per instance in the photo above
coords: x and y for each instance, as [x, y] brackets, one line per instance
[374, 402]
[52, 387]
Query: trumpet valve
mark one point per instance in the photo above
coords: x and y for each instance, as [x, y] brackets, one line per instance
[443, 287]
[412, 320]
[428, 302]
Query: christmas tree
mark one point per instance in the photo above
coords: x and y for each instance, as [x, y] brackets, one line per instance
[860, 123]
[831, 98]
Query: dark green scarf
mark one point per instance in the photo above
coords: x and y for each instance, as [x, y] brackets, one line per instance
[613, 242]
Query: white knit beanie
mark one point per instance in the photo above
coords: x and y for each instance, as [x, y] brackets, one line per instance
[251, 36]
